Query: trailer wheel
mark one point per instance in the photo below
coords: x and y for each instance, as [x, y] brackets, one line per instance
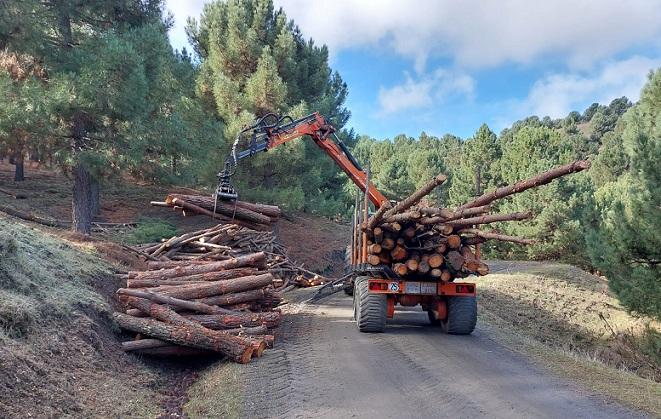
[371, 309]
[432, 319]
[462, 316]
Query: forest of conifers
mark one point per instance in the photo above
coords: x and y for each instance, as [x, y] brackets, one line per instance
[95, 90]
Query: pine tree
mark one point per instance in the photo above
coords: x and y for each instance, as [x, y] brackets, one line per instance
[623, 241]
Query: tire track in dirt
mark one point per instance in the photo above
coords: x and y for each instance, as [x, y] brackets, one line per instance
[324, 368]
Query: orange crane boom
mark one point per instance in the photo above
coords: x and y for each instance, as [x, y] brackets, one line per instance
[272, 130]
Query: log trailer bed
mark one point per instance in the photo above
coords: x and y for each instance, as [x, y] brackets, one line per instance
[376, 287]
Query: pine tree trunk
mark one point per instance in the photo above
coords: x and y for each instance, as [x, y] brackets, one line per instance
[81, 203]
[19, 173]
[95, 203]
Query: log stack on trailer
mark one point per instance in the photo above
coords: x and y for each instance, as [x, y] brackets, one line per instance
[414, 239]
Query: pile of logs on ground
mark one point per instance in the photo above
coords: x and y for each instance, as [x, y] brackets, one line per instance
[417, 240]
[193, 307]
[246, 214]
[226, 241]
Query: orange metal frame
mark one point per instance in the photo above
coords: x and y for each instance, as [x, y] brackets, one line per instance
[319, 130]
[389, 286]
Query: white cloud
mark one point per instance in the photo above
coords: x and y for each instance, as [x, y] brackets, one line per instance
[478, 33]
[558, 94]
[425, 91]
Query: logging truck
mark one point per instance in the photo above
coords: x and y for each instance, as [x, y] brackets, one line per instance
[388, 265]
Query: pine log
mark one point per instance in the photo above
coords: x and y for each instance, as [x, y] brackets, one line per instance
[436, 272]
[199, 278]
[134, 345]
[400, 269]
[491, 218]
[174, 351]
[446, 275]
[200, 210]
[523, 185]
[231, 321]
[409, 233]
[377, 232]
[403, 217]
[412, 265]
[423, 267]
[375, 219]
[252, 260]
[435, 260]
[387, 243]
[374, 249]
[272, 211]
[385, 258]
[440, 215]
[392, 227]
[398, 253]
[136, 299]
[226, 209]
[220, 287]
[489, 235]
[238, 298]
[454, 260]
[373, 260]
[234, 347]
[454, 241]
[416, 196]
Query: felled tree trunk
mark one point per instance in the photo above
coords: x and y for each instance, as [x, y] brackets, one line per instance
[236, 348]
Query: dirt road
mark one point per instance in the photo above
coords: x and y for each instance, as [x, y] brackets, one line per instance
[325, 368]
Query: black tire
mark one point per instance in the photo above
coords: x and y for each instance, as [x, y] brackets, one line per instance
[432, 319]
[462, 316]
[371, 309]
[347, 287]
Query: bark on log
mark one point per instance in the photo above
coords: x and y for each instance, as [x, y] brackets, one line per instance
[375, 219]
[136, 299]
[492, 218]
[253, 260]
[231, 321]
[174, 351]
[237, 298]
[134, 345]
[416, 196]
[229, 210]
[220, 287]
[523, 185]
[489, 235]
[454, 260]
[203, 277]
[403, 217]
[200, 210]
[234, 347]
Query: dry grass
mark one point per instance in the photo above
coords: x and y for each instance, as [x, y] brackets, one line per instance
[570, 321]
[218, 393]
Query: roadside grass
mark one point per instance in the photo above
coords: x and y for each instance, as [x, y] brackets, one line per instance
[218, 392]
[568, 320]
[42, 278]
[59, 353]
[151, 230]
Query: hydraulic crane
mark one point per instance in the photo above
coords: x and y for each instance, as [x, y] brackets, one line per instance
[376, 289]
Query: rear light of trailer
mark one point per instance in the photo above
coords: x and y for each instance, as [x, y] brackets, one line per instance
[465, 289]
[378, 286]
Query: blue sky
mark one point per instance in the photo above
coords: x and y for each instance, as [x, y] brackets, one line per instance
[443, 66]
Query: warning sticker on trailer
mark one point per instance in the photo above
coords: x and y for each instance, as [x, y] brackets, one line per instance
[393, 286]
[412, 288]
[428, 288]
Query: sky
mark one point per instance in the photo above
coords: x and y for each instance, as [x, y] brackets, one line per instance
[448, 66]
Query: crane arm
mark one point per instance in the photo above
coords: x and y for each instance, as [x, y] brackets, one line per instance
[271, 131]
